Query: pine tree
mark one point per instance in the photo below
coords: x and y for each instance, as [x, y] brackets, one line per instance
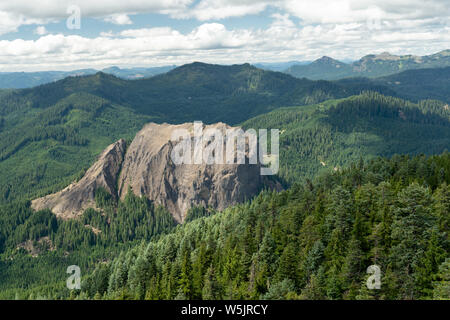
[185, 282]
[211, 288]
[199, 270]
[288, 266]
[441, 289]
[410, 233]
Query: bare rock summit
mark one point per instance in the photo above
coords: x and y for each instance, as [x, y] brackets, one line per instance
[78, 196]
[148, 170]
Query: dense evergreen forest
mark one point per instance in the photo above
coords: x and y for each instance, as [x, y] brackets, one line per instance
[414, 85]
[312, 241]
[350, 200]
[51, 133]
[31, 242]
[331, 135]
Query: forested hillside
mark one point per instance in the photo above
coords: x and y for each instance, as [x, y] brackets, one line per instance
[198, 91]
[325, 68]
[36, 247]
[51, 133]
[313, 241]
[331, 135]
[420, 84]
[43, 150]
[413, 85]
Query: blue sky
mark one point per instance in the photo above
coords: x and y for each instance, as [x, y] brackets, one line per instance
[93, 27]
[34, 34]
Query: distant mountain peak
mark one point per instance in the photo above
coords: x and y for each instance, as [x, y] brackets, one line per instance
[384, 56]
[327, 59]
[190, 66]
[111, 69]
[372, 65]
[103, 75]
[201, 67]
[196, 63]
[444, 53]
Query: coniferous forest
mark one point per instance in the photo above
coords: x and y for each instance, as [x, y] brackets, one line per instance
[365, 171]
[312, 241]
[224, 159]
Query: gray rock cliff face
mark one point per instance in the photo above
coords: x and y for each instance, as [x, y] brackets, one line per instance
[147, 170]
[78, 196]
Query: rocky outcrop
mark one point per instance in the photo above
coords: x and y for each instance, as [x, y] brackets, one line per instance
[77, 197]
[147, 170]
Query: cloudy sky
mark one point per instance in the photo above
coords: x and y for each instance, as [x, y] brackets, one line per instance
[73, 34]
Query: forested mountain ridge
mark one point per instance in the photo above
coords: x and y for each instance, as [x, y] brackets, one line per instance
[200, 91]
[51, 133]
[325, 68]
[413, 85]
[313, 241]
[338, 129]
[420, 84]
[331, 135]
[372, 66]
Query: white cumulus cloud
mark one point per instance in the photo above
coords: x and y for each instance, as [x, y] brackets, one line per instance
[120, 19]
[40, 30]
[299, 30]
